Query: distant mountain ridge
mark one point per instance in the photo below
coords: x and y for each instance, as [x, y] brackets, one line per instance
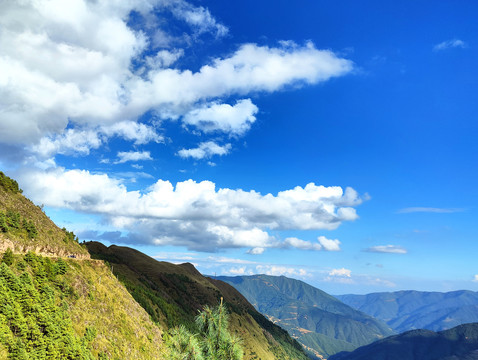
[321, 323]
[408, 310]
[459, 343]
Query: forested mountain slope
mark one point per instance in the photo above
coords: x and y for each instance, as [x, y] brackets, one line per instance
[323, 324]
[459, 343]
[61, 304]
[56, 302]
[173, 295]
[408, 310]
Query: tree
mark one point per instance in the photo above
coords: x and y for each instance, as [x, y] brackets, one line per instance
[183, 345]
[3, 222]
[8, 257]
[214, 340]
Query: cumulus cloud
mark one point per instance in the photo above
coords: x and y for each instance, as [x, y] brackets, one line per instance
[239, 271]
[205, 150]
[256, 251]
[342, 275]
[429, 210]
[199, 17]
[194, 214]
[301, 244]
[80, 142]
[74, 76]
[78, 67]
[234, 120]
[328, 244]
[448, 44]
[389, 249]
[278, 270]
[125, 156]
[341, 272]
[475, 278]
[322, 244]
[163, 58]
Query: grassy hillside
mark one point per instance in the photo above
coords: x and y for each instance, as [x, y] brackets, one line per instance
[53, 308]
[24, 227]
[408, 310]
[321, 323]
[174, 294]
[57, 303]
[459, 343]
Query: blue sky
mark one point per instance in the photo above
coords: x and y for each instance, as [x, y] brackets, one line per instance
[333, 142]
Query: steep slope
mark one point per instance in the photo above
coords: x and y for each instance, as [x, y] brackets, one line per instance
[173, 294]
[24, 227]
[321, 323]
[408, 310]
[61, 304]
[459, 343]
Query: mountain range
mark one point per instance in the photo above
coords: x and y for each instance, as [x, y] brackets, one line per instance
[458, 343]
[408, 310]
[58, 301]
[320, 322]
[172, 295]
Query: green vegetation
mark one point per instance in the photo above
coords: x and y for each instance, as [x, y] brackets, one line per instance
[320, 322]
[9, 184]
[34, 322]
[410, 309]
[8, 257]
[213, 342]
[69, 236]
[173, 294]
[12, 222]
[70, 309]
[460, 342]
[24, 226]
[58, 303]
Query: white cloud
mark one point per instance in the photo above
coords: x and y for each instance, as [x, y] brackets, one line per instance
[390, 249]
[429, 210]
[124, 156]
[163, 58]
[80, 142]
[342, 275]
[256, 251]
[301, 244]
[205, 150]
[138, 133]
[323, 244]
[74, 76]
[448, 44]
[328, 244]
[278, 270]
[475, 278]
[199, 17]
[341, 272]
[196, 215]
[239, 271]
[71, 141]
[381, 282]
[251, 68]
[235, 120]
